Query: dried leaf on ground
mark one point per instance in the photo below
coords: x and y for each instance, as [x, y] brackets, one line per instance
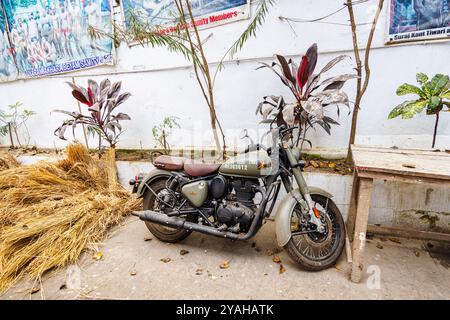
[199, 271]
[133, 272]
[35, 289]
[183, 252]
[271, 252]
[395, 240]
[276, 259]
[282, 269]
[165, 260]
[323, 164]
[314, 163]
[225, 265]
[97, 256]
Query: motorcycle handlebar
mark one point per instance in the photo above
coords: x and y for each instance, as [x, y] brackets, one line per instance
[254, 147]
[281, 131]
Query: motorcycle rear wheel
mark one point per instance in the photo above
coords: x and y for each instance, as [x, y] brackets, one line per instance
[315, 251]
[162, 233]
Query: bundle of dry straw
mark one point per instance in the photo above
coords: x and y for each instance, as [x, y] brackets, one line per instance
[52, 212]
[7, 161]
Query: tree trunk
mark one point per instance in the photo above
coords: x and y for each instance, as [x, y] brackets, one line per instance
[361, 88]
[209, 95]
[359, 81]
[99, 146]
[14, 127]
[435, 129]
[10, 135]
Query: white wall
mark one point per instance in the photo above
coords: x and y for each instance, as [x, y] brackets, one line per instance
[163, 84]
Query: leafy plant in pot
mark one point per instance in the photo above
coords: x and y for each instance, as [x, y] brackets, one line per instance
[13, 121]
[101, 101]
[312, 94]
[433, 94]
[162, 131]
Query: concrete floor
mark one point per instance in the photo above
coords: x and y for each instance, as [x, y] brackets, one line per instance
[131, 268]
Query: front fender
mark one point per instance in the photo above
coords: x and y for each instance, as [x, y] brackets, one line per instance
[283, 215]
[151, 176]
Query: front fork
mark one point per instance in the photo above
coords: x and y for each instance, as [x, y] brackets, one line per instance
[305, 201]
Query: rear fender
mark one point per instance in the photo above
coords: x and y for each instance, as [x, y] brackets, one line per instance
[283, 214]
[149, 178]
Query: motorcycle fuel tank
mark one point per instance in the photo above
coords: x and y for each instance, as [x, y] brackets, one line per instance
[252, 164]
[196, 192]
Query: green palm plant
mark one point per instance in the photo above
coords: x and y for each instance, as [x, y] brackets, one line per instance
[434, 96]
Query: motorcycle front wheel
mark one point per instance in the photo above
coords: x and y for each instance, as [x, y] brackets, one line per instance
[315, 251]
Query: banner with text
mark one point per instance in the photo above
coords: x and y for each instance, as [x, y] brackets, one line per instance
[8, 69]
[164, 13]
[51, 36]
[418, 20]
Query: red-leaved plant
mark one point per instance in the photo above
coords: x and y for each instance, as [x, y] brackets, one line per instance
[101, 100]
[308, 108]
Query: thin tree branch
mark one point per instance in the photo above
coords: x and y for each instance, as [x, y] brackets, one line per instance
[361, 87]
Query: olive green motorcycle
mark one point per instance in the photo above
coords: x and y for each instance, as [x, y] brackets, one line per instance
[231, 200]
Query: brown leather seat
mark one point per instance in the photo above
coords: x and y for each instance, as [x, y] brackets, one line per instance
[169, 162]
[192, 168]
[199, 169]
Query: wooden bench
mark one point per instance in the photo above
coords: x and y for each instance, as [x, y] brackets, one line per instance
[410, 166]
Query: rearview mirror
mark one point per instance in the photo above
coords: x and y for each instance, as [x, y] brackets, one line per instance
[244, 134]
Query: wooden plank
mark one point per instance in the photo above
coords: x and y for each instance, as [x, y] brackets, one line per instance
[410, 178]
[351, 216]
[409, 234]
[439, 167]
[429, 153]
[426, 164]
[359, 238]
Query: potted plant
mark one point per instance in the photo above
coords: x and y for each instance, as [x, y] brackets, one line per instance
[11, 122]
[311, 93]
[433, 97]
[101, 101]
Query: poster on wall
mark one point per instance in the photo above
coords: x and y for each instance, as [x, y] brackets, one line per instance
[164, 13]
[8, 70]
[418, 20]
[51, 36]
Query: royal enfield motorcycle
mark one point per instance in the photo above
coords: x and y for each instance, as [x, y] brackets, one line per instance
[232, 200]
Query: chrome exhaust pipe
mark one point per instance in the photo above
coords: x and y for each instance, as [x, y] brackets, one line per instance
[179, 223]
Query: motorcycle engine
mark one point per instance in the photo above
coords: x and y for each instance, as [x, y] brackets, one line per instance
[237, 206]
[231, 213]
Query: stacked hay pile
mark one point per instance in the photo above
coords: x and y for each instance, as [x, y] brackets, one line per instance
[52, 212]
[7, 161]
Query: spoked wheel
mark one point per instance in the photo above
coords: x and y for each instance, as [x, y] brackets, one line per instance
[151, 202]
[316, 251]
